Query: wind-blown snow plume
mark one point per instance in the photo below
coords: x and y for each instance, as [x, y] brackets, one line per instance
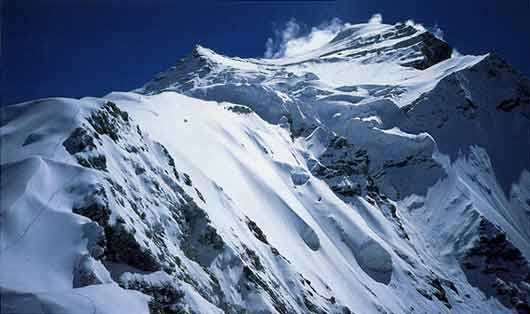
[437, 31]
[292, 40]
[376, 19]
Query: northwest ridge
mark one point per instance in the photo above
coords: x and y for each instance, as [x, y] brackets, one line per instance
[378, 173]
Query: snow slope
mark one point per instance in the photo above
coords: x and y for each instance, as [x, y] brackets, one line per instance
[375, 174]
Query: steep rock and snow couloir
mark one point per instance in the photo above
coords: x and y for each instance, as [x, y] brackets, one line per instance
[376, 174]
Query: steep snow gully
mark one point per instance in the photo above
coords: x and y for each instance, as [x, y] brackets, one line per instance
[379, 173]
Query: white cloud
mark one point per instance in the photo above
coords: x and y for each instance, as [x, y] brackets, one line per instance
[376, 19]
[292, 40]
[269, 48]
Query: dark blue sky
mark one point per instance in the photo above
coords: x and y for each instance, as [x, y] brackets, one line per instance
[81, 48]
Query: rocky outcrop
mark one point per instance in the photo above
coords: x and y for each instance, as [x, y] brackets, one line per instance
[497, 267]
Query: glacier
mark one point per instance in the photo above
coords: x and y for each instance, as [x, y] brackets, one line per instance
[379, 173]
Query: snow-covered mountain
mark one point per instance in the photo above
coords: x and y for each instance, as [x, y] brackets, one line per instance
[379, 173]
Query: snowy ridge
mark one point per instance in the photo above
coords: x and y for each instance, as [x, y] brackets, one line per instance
[375, 174]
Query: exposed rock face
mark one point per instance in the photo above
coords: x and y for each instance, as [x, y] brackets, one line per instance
[344, 168]
[433, 50]
[89, 272]
[167, 296]
[498, 268]
[81, 144]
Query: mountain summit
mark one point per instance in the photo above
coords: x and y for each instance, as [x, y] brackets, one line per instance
[378, 173]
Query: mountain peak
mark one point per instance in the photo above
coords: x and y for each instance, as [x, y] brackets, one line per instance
[401, 45]
[408, 44]
[200, 50]
[374, 174]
